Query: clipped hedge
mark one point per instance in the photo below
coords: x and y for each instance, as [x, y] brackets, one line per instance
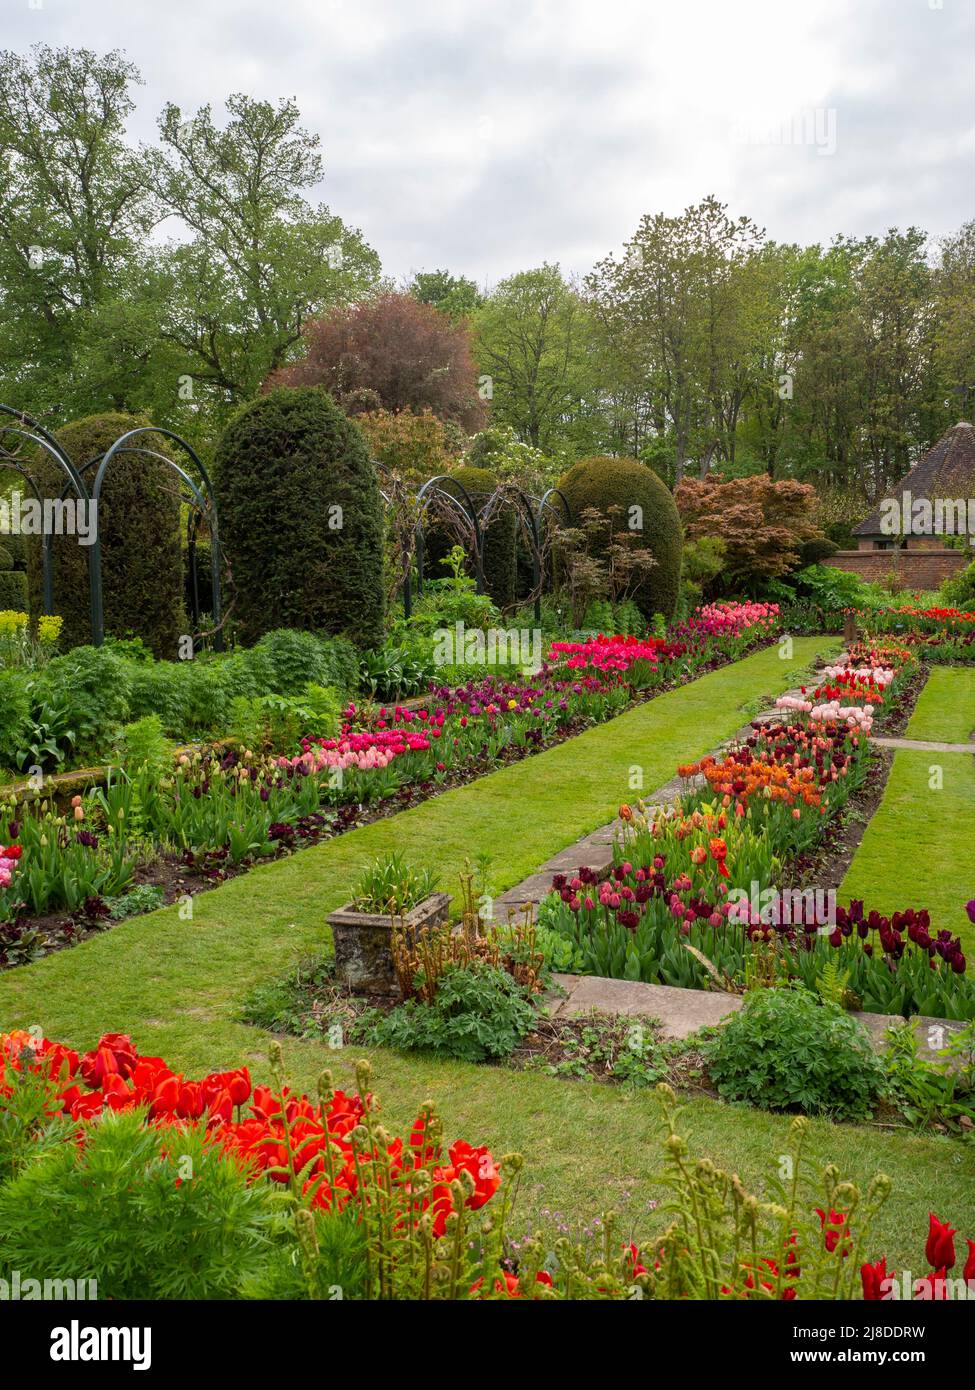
[500, 536]
[604, 482]
[13, 585]
[138, 523]
[282, 468]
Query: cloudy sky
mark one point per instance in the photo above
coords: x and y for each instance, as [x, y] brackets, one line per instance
[486, 137]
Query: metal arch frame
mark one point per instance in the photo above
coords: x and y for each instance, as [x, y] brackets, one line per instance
[523, 504]
[31, 430]
[545, 507]
[470, 514]
[205, 507]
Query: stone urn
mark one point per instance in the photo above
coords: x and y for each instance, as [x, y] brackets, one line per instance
[364, 942]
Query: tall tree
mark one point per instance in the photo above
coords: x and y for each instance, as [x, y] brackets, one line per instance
[453, 295]
[955, 333]
[674, 307]
[75, 209]
[261, 261]
[533, 337]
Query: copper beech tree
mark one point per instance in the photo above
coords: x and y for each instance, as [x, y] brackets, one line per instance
[763, 524]
[402, 354]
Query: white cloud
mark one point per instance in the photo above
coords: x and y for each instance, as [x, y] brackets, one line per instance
[489, 137]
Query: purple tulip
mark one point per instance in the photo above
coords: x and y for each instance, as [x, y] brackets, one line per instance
[970, 909]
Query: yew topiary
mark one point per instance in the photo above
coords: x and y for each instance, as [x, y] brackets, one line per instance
[647, 508]
[139, 527]
[301, 518]
[13, 586]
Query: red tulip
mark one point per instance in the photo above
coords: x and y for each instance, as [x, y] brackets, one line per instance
[876, 1281]
[940, 1248]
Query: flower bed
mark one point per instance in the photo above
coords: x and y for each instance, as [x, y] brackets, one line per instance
[937, 634]
[707, 874]
[220, 812]
[257, 1191]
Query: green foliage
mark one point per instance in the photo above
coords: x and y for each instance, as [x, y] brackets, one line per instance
[201, 1227]
[91, 685]
[786, 1051]
[397, 671]
[831, 588]
[14, 712]
[393, 886]
[927, 1092]
[478, 1012]
[143, 744]
[604, 483]
[813, 551]
[13, 586]
[144, 897]
[282, 467]
[138, 524]
[956, 592]
[194, 697]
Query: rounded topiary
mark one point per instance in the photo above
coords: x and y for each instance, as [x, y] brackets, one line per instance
[499, 536]
[139, 527]
[17, 549]
[602, 483]
[814, 551]
[301, 518]
[13, 585]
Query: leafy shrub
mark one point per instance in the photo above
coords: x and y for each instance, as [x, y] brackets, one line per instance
[202, 1227]
[814, 551]
[143, 744]
[283, 466]
[956, 592]
[832, 589]
[138, 523]
[92, 685]
[14, 710]
[786, 1051]
[478, 1011]
[604, 483]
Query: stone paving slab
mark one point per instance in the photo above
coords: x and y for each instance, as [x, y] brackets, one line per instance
[679, 1012]
[918, 745]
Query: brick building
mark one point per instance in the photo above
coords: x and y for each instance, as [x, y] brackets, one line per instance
[907, 529]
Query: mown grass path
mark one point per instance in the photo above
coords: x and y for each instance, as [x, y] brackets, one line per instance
[147, 975]
[919, 848]
[175, 985]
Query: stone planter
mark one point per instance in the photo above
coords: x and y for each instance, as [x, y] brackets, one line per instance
[364, 942]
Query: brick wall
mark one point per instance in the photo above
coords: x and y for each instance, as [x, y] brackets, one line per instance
[918, 569]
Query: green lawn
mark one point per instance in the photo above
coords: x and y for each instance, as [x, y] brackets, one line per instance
[945, 713]
[917, 850]
[175, 985]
